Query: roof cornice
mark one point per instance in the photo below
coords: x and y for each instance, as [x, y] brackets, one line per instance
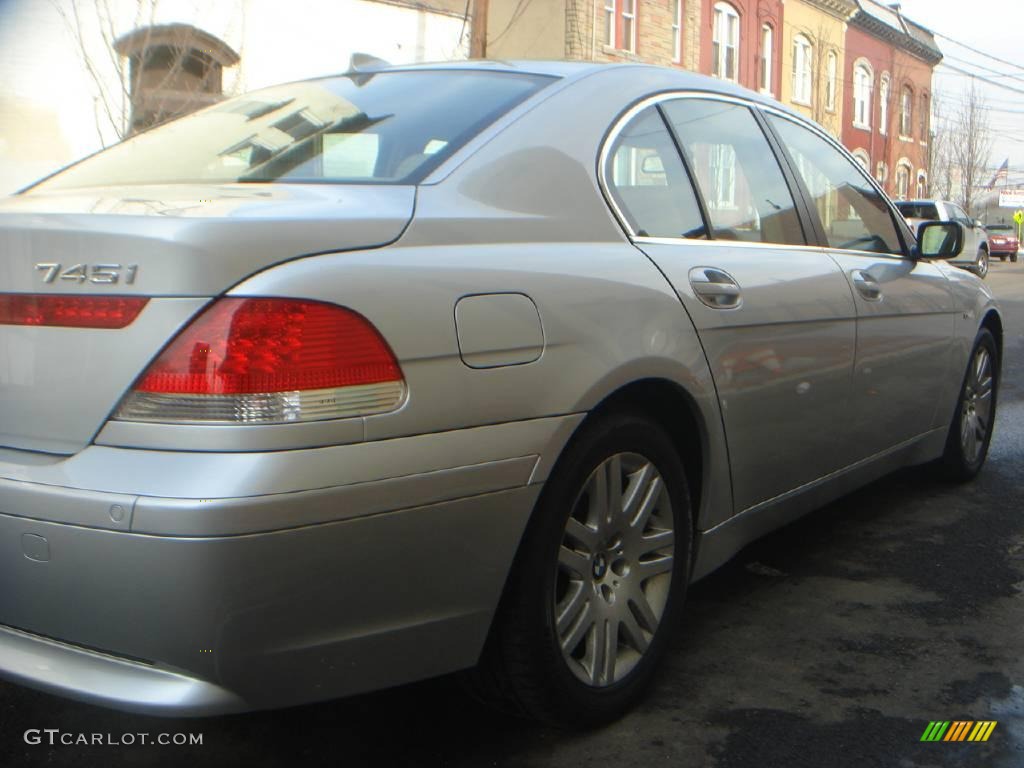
[842, 9]
[898, 38]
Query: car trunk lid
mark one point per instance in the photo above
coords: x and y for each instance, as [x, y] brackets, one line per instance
[176, 245]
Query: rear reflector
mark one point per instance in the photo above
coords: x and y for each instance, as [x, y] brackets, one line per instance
[269, 361]
[110, 312]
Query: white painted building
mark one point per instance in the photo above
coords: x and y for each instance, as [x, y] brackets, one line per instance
[50, 113]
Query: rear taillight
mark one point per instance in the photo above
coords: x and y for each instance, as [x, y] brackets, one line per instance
[266, 361]
[108, 312]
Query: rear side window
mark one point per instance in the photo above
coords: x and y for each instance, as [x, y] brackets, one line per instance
[737, 172]
[853, 212]
[384, 128]
[648, 181]
[927, 211]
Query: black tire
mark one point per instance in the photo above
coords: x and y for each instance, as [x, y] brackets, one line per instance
[1013, 258]
[959, 462]
[981, 263]
[523, 668]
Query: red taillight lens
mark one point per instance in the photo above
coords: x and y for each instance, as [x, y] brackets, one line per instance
[108, 312]
[267, 361]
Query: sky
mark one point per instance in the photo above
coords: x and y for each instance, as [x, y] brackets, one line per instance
[995, 27]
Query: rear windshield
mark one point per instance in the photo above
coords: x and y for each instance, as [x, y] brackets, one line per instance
[1000, 228]
[383, 128]
[919, 211]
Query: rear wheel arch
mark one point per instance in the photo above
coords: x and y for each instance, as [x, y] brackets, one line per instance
[994, 323]
[669, 404]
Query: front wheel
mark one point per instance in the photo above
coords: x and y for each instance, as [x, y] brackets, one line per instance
[1013, 258]
[981, 263]
[971, 430]
[601, 574]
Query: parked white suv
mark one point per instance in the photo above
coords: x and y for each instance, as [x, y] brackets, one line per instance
[975, 255]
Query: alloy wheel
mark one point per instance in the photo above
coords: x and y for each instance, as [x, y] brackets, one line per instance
[976, 410]
[614, 571]
[982, 263]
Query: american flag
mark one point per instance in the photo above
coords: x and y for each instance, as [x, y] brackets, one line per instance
[1001, 174]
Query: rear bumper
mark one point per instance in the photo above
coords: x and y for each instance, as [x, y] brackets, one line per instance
[192, 606]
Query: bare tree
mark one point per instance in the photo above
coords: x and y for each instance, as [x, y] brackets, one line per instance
[970, 145]
[94, 26]
[939, 158]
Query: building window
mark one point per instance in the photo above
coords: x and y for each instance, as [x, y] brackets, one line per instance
[862, 157]
[882, 173]
[629, 25]
[831, 78]
[725, 42]
[803, 56]
[677, 30]
[723, 177]
[609, 19]
[922, 186]
[766, 59]
[926, 114]
[884, 105]
[902, 180]
[863, 80]
[907, 113]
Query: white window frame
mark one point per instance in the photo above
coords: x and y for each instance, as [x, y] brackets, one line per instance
[628, 13]
[907, 113]
[767, 53]
[831, 80]
[610, 18]
[904, 171]
[884, 94]
[677, 31]
[861, 156]
[921, 190]
[725, 35]
[863, 85]
[803, 70]
[925, 118]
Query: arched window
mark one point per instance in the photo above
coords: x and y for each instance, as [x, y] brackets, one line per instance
[725, 42]
[861, 156]
[882, 173]
[883, 98]
[926, 114]
[907, 112]
[803, 61]
[863, 83]
[922, 185]
[767, 50]
[903, 173]
[831, 80]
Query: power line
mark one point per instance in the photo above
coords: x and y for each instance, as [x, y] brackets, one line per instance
[978, 51]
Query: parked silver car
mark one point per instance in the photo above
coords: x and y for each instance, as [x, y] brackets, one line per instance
[976, 252]
[356, 381]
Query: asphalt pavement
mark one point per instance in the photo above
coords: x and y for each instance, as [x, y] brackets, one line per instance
[831, 644]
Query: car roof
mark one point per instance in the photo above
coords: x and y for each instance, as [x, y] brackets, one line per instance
[578, 70]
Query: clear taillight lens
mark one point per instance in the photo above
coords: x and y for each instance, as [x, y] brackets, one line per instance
[269, 361]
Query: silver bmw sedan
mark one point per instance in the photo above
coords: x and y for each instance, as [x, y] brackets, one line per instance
[361, 380]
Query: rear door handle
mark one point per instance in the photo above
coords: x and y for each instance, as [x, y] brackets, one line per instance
[866, 285]
[717, 289]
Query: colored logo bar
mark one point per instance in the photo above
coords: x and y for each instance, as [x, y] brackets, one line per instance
[958, 730]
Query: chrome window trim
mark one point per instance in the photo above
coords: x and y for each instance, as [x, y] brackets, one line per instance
[626, 117]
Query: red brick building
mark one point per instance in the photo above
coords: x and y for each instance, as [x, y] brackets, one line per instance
[887, 125]
[742, 41]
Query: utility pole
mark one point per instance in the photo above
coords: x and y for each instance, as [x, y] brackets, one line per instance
[478, 33]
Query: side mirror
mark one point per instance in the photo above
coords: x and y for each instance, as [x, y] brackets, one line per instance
[940, 239]
[977, 223]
